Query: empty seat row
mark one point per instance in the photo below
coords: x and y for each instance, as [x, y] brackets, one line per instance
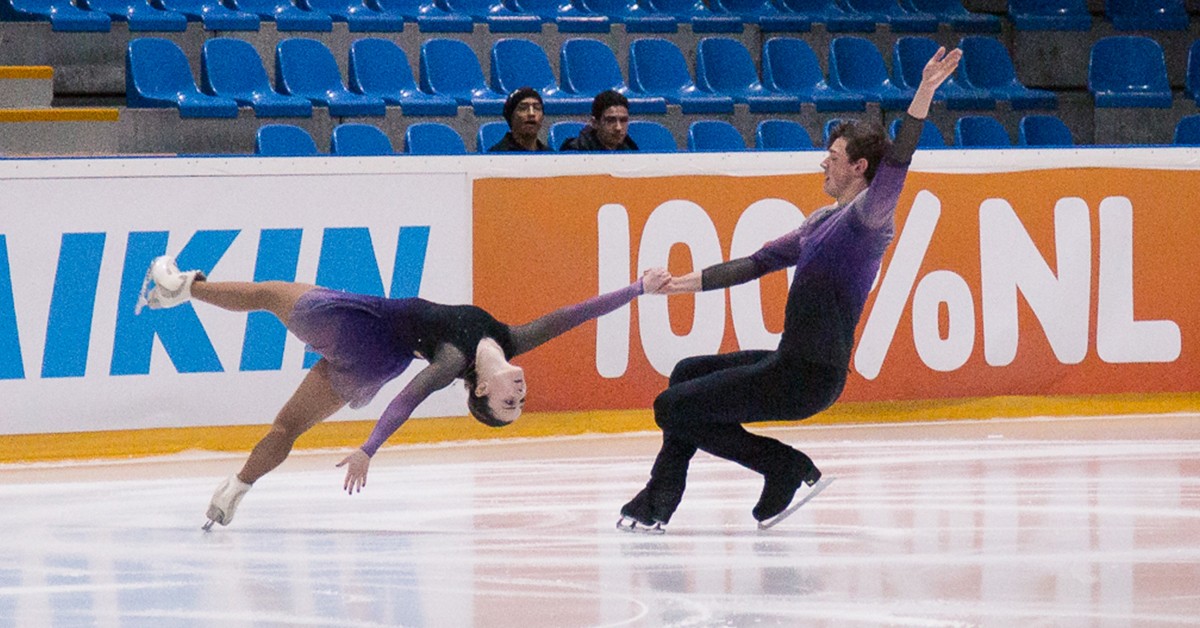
[1073, 15]
[431, 138]
[1131, 71]
[232, 74]
[637, 16]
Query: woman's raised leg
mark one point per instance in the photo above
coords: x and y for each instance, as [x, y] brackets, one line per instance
[277, 297]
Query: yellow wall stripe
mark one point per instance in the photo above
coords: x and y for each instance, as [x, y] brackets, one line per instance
[61, 114]
[26, 72]
[132, 443]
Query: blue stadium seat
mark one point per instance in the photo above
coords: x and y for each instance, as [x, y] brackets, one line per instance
[287, 16]
[1043, 130]
[589, 66]
[1147, 15]
[1128, 71]
[782, 135]
[789, 66]
[635, 17]
[724, 67]
[359, 18]
[657, 68]
[231, 68]
[855, 65]
[714, 136]
[1191, 85]
[909, 56]
[359, 140]
[140, 15]
[892, 13]
[519, 63]
[63, 16]
[765, 14]
[567, 17]
[986, 65]
[157, 75]
[433, 138]
[214, 15]
[379, 68]
[931, 137]
[489, 134]
[980, 132]
[953, 13]
[498, 17]
[652, 137]
[283, 140]
[450, 68]
[429, 17]
[1187, 131]
[563, 131]
[306, 68]
[833, 17]
[1050, 15]
[696, 14]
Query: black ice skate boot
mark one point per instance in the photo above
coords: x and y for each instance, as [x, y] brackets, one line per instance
[639, 516]
[780, 487]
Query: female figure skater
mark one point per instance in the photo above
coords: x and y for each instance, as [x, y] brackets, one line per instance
[366, 341]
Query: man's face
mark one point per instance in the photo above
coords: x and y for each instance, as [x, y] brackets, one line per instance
[612, 126]
[840, 172]
[527, 117]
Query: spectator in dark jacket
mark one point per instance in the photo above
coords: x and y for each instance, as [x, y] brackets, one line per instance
[609, 127]
[523, 112]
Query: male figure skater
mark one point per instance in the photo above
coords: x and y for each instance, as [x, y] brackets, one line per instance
[837, 253]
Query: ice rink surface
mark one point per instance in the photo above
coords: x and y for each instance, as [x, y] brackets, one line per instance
[1030, 522]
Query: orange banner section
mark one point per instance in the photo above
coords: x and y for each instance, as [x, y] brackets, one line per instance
[1046, 282]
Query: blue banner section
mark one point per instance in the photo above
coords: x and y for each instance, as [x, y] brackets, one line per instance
[278, 256]
[11, 366]
[178, 328]
[73, 304]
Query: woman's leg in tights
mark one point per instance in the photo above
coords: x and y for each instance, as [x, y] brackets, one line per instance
[314, 401]
[277, 297]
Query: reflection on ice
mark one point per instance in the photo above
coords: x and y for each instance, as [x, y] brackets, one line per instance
[936, 524]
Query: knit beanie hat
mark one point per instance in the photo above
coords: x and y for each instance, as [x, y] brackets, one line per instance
[510, 105]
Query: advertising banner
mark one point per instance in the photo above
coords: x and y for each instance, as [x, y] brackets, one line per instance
[1048, 281]
[74, 251]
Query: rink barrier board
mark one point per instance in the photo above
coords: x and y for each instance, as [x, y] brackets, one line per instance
[109, 379]
[27, 448]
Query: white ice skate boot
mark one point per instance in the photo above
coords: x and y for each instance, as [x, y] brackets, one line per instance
[165, 285]
[225, 501]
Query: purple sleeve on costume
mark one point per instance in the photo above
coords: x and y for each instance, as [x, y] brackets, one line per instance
[440, 373]
[393, 417]
[530, 335]
[779, 253]
[878, 207]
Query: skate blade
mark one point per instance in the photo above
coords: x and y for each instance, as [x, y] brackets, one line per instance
[816, 489]
[633, 527]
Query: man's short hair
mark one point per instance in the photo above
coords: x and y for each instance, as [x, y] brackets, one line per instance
[606, 99]
[864, 140]
[515, 98]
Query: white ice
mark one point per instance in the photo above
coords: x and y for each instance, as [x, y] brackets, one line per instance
[1035, 522]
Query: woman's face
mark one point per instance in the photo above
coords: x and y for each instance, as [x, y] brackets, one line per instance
[505, 390]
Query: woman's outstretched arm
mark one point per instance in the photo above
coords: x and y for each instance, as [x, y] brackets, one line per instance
[532, 334]
[440, 373]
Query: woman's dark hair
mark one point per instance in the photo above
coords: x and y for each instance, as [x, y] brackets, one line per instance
[864, 140]
[478, 404]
